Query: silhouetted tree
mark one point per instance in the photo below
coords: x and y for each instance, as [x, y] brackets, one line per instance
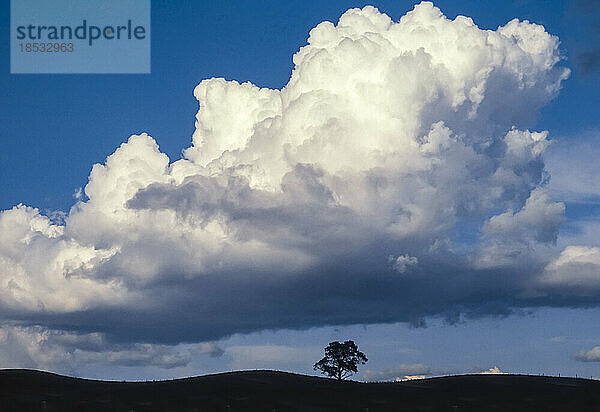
[341, 360]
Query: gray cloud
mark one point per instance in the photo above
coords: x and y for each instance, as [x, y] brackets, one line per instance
[211, 349]
[62, 351]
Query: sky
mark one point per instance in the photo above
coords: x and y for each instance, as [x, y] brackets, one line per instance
[418, 178]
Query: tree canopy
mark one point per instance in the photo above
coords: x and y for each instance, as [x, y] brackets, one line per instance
[341, 360]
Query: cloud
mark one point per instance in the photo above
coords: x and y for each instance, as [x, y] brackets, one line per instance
[411, 378]
[576, 268]
[592, 355]
[211, 349]
[492, 371]
[402, 371]
[403, 263]
[408, 139]
[511, 236]
[61, 351]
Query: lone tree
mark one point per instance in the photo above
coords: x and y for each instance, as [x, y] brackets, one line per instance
[341, 360]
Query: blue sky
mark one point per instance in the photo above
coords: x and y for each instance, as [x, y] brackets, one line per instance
[55, 127]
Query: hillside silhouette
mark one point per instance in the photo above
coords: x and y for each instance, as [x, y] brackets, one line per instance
[29, 390]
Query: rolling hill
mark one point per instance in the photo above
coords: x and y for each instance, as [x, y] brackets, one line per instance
[29, 390]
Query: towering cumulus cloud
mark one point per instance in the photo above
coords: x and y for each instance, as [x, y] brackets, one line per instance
[393, 178]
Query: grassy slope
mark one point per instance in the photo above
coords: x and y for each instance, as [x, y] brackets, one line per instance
[26, 390]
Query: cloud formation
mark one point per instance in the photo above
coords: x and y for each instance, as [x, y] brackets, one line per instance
[40, 348]
[407, 139]
[592, 355]
[399, 372]
[577, 268]
[492, 371]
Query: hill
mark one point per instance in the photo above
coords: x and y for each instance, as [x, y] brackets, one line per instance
[28, 390]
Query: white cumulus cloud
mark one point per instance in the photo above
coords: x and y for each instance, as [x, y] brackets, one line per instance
[492, 371]
[391, 138]
[398, 372]
[592, 355]
[577, 267]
